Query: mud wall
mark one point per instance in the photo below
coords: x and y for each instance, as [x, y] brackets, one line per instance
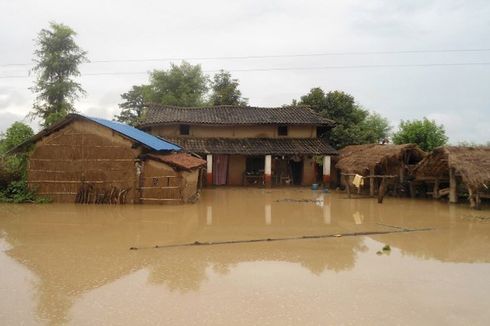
[235, 131]
[161, 184]
[236, 168]
[82, 151]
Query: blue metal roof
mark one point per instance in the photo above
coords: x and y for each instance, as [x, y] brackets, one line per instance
[142, 137]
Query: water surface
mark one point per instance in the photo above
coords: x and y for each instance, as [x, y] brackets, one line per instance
[71, 264]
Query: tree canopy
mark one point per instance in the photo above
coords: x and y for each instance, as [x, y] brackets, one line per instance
[15, 135]
[354, 125]
[57, 58]
[225, 90]
[182, 85]
[425, 133]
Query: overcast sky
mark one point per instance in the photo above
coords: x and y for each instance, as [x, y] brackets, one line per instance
[456, 96]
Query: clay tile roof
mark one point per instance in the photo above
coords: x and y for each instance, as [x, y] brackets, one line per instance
[232, 115]
[179, 160]
[256, 146]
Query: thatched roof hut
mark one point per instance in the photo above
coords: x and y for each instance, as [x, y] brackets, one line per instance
[383, 159]
[471, 164]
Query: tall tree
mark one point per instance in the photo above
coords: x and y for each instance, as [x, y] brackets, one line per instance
[354, 125]
[425, 133]
[225, 90]
[132, 109]
[182, 85]
[57, 59]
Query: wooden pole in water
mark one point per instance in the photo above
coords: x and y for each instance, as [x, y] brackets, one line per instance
[435, 191]
[477, 200]
[381, 191]
[471, 198]
[371, 182]
[347, 184]
[411, 185]
[453, 186]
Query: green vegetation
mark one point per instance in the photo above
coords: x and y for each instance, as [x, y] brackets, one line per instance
[181, 85]
[57, 60]
[354, 125]
[425, 133]
[225, 90]
[13, 167]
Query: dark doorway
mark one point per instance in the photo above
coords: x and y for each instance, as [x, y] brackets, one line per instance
[296, 171]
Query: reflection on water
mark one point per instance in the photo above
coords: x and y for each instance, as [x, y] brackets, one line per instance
[78, 255]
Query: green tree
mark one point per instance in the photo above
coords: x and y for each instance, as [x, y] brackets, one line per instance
[225, 90]
[354, 125]
[181, 85]
[57, 59]
[425, 133]
[13, 167]
[375, 128]
[133, 107]
[184, 85]
[15, 135]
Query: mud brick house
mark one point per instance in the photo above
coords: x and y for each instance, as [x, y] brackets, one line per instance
[91, 160]
[248, 145]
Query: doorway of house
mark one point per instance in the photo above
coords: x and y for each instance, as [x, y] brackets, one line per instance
[296, 171]
[220, 169]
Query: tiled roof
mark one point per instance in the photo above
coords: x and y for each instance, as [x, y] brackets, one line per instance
[232, 115]
[180, 160]
[256, 146]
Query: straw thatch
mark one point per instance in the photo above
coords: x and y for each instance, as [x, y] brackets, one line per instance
[383, 159]
[471, 163]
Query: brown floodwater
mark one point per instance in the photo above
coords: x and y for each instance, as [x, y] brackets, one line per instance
[71, 264]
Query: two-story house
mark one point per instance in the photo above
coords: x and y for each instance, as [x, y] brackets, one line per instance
[249, 145]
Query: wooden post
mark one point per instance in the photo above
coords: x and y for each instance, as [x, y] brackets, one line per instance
[402, 173]
[347, 184]
[471, 198]
[411, 186]
[371, 182]
[477, 200]
[453, 186]
[381, 191]
[435, 191]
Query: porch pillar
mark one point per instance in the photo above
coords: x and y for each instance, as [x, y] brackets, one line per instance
[268, 171]
[209, 169]
[326, 170]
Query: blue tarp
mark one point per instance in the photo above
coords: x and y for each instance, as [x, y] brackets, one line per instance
[142, 137]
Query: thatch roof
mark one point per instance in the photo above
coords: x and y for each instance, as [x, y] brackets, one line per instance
[361, 158]
[471, 163]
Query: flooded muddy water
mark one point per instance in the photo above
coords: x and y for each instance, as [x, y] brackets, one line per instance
[71, 264]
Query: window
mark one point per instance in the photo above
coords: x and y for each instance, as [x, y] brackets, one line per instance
[282, 130]
[321, 132]
[184, 129]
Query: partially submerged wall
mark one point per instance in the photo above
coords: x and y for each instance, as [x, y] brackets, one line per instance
[83, 152]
